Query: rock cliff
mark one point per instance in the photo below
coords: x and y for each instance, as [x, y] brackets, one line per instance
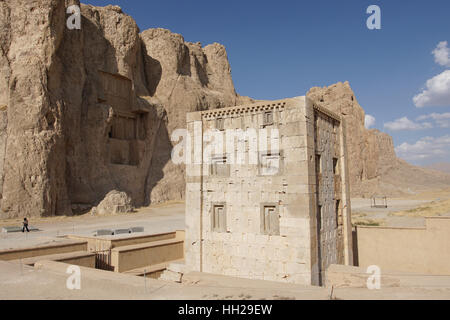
[373, 165]
[84, 112]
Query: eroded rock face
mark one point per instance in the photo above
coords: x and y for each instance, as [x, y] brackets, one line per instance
[184, 77]
[373, 165]
[33, 170]
[84, 112]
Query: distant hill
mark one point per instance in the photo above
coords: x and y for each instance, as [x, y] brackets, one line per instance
[373, 164]
[442, 166]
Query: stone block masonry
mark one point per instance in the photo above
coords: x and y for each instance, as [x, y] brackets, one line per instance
[284, 217]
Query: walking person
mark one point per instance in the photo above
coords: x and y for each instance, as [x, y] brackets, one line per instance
[25, 225]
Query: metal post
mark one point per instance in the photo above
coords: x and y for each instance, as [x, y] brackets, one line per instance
[145, 281]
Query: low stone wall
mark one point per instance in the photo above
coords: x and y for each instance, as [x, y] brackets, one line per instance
[110, 242]
[35, 251]
[79, 258]
[103, 277]
[136, 256]
[420, 250]
[87, 260]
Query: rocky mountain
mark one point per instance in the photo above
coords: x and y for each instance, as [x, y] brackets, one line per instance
[87, 112]
[373, 165]
[441, 166]
[84, 112]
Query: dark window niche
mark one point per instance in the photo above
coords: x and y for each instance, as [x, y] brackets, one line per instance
[270, 219]
[219, 217]
[268, 118]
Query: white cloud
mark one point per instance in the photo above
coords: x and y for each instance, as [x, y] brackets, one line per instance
[425, 148]
[442, 120]
[369, 121]
[442, 54]
[437, 92]
[406, 124]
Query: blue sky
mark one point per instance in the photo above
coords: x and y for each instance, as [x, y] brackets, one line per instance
[280, 49]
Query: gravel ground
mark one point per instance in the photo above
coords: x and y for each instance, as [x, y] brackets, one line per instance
[154, 220]
[361, 210]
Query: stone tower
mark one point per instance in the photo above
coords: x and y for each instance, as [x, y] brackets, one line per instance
[267, 192]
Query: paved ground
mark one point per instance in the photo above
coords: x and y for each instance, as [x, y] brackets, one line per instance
[167, 218]
[22, 282]
[157, 219]
[49, 282]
